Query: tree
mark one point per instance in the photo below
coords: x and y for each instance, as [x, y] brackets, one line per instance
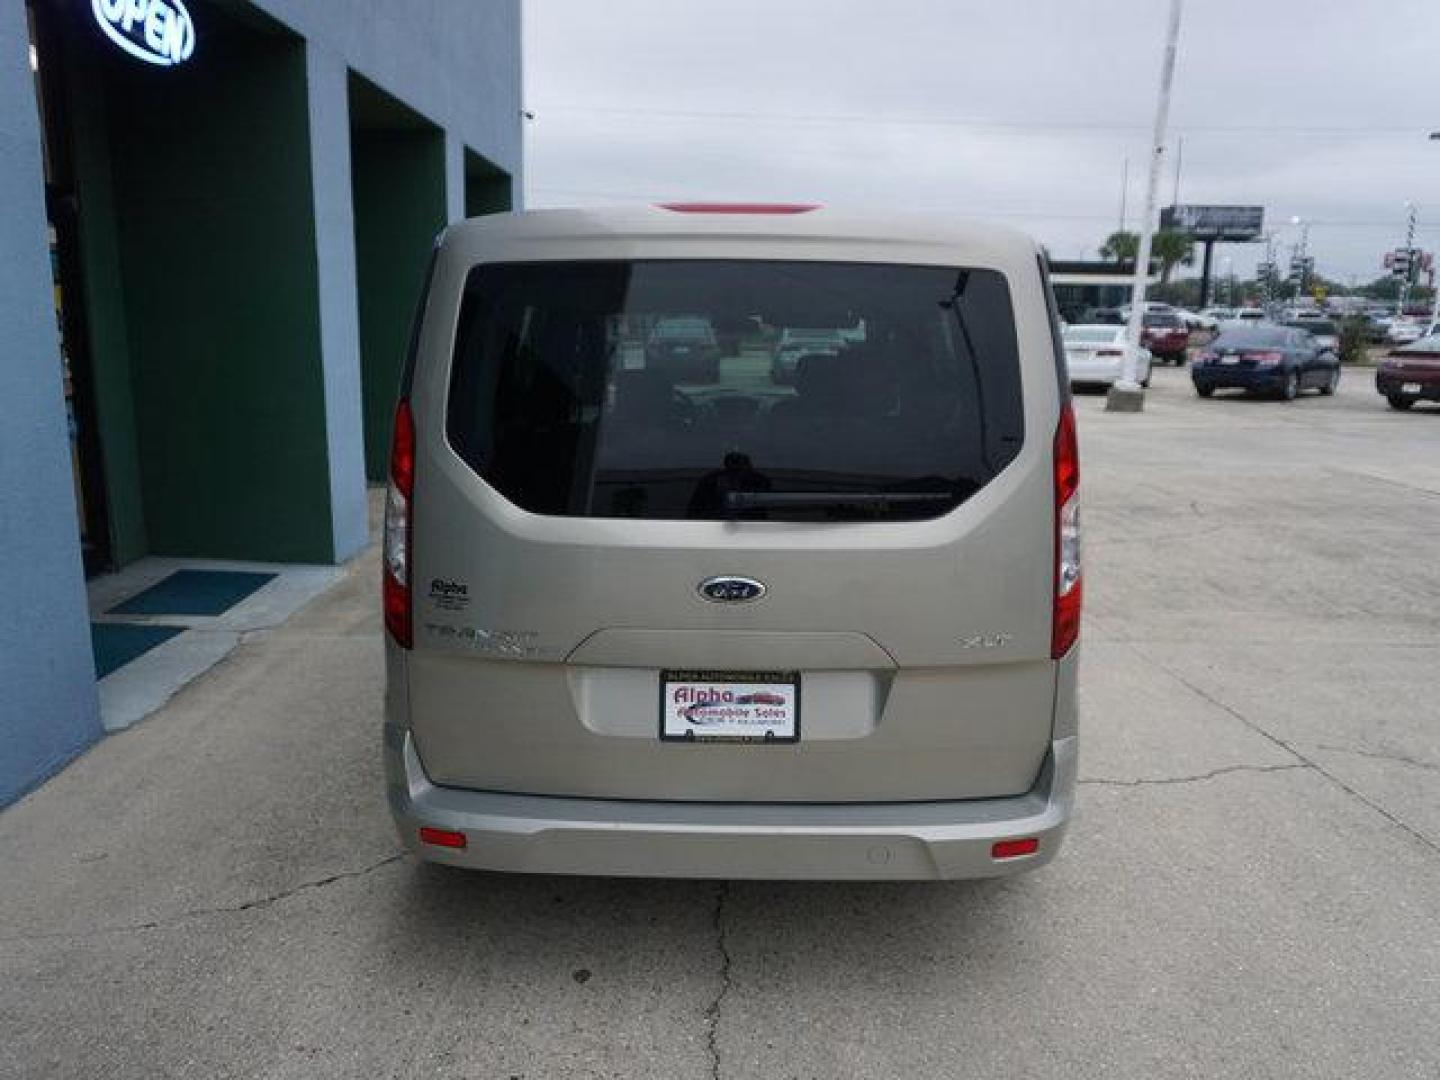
[1121, 246]
[1169, 247]
[1172, 248]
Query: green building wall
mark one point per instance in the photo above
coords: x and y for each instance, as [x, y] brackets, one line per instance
[398, 180]
[203, 295]
[217, 339]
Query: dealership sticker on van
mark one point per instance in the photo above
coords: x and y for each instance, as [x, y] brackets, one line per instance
[730, 706]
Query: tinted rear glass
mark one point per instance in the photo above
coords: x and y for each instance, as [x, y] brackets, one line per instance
[1315, 326]
[1092, 335]
[1246, 337]
[565, 399]
[1161, 319]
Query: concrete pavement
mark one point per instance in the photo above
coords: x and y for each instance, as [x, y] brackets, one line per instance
[1252, 888]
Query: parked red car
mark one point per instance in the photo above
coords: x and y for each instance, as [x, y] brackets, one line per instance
[1411, 373]
[1166, 336]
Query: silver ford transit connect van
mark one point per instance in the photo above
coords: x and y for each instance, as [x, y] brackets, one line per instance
[652, 610]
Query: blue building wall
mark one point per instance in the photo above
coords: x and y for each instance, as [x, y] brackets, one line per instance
[458, 65]
[48, 706]
[456, 62]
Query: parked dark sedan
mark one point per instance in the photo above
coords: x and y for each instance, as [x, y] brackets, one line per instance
[1411, 373]
[686, 348]
[1263, 357]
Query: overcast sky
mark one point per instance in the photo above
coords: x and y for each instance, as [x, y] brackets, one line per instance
[1022, 112]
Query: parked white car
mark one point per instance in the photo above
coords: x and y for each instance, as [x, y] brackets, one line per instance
[1095, 355]
[1404, 331]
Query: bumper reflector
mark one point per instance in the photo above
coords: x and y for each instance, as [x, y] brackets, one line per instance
[442, 837]
[1013, 849]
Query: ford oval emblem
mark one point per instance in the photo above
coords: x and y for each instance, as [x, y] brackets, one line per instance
[728, 589]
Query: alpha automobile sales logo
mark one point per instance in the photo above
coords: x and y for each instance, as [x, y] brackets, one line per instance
[712, 705]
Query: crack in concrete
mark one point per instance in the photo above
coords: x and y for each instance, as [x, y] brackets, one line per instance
[1420, 488]
[222, 909]
[712, 1011]
[1198, 778]
[1275, 740]
[1378, 755]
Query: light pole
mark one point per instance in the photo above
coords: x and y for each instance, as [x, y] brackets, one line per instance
[1435, 284]
[1228, 274]
[1267, 279]
[1409, 258]
[1126, 395]
[1297, 258]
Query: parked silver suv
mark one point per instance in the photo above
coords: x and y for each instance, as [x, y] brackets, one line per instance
[822, 627]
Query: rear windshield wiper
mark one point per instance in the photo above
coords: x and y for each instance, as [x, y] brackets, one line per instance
[766, 500]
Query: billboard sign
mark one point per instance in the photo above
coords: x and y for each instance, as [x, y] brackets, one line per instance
[1215, 222]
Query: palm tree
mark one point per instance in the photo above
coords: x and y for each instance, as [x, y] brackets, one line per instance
[1120, 246]
[1172, 248]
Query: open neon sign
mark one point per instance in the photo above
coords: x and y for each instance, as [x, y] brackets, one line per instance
[158, 32]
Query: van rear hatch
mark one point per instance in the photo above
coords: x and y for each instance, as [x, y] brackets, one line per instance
[610, 539]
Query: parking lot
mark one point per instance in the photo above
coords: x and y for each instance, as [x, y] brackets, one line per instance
[1250, 888]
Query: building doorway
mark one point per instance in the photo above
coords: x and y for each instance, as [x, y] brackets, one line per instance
[67, 269]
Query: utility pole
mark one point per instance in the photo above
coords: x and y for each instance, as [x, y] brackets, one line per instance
[1267, 279]
[1126, 395]
[1179, 161]
[1124, 191]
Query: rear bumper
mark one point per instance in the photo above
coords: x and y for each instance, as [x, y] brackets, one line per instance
[1168, 347]
[1220, 378]
[1095, 374]
[1392, 383]
[550, 835]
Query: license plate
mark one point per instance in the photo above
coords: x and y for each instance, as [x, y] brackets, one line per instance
[1229, 359]
[1410, 388]
[730, 706]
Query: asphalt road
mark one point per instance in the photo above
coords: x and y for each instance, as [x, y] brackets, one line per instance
[1251, 889]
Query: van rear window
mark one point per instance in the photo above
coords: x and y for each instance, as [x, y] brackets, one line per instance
[746, 390]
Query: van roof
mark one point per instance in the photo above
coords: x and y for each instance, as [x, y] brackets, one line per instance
[631, 230]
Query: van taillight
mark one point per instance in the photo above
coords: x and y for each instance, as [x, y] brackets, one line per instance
[1066, 626]
[399, 514]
